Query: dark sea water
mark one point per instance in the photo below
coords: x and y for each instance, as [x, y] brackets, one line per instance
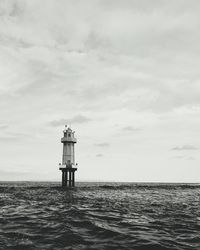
[99, 216]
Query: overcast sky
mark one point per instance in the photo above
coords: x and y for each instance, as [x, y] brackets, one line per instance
[125, 75]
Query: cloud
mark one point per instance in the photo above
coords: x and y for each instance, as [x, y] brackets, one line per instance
[121, 58]
[3, 127]
[178, 157]
[99, 155]
[14, 136]
[183, 157]
[74, 120]
[103, 144]
[185, 147]
[131, 129]
[14, 172]
[191, 158]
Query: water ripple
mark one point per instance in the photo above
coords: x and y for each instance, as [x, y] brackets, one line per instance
[99, 216]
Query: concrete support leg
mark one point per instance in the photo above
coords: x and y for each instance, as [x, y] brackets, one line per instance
[73, 179]
[63, 178]
[67, 178]
[70, 178]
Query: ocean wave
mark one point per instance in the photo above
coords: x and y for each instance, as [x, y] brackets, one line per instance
[99, 216]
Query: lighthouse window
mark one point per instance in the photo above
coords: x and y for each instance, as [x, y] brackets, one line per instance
[69, 135]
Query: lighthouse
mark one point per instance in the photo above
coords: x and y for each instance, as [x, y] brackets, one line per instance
[68, 158]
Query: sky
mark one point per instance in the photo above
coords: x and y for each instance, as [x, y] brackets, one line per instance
[123, 73]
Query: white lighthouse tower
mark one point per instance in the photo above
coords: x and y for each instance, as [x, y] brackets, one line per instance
[68, 158]
[68, 147]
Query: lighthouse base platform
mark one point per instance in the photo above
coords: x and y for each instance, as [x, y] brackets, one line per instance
[68, 176]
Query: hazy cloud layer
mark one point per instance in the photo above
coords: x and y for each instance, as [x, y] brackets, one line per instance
[3, 127]
[74, 120]
[185, 147]
[131, 129]
[95, 64]
[131, 55]
[103, 144]
[99, 155]
[191, 158]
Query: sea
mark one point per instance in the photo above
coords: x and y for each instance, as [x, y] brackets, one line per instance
[149, 216]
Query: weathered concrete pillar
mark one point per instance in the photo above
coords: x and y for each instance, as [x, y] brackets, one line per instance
[67, 177]
[73, 179]
[63, 178]
[70, 179]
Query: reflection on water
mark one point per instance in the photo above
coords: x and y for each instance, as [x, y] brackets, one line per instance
[99, 216]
